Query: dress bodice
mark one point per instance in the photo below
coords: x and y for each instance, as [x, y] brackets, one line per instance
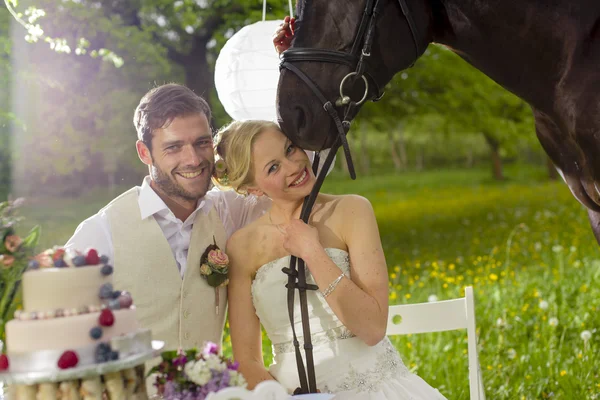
[344, 364]
[269, 296]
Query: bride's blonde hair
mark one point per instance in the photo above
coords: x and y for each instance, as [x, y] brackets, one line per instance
[233, 153]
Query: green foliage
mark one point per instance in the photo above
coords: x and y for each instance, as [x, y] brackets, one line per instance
[6, 117]
[82, 128]
[57, 44]
[14, 256]
[443, 96]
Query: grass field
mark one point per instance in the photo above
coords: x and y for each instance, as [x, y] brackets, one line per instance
[524, 244]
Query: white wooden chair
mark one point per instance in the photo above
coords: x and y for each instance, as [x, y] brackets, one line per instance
[439, 316]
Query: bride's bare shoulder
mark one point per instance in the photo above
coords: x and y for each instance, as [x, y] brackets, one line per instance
[243, 247]
[347, 204]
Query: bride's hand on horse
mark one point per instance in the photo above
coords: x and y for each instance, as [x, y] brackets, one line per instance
[300, 239]
[282, 39]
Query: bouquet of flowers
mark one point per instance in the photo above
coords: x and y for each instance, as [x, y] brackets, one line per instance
[193, 375]
[15, 253]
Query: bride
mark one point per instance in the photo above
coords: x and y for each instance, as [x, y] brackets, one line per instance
[341, 247]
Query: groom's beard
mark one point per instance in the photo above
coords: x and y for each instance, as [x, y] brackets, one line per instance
[168, 184]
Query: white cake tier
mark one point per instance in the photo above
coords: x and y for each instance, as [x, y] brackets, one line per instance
[50, 289]
[65, 333]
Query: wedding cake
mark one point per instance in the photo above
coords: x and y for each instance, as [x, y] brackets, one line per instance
[73, 320]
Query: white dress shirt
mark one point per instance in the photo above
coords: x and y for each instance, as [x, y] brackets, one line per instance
[233, 209]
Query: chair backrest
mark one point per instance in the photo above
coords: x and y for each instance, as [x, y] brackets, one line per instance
[439, 316]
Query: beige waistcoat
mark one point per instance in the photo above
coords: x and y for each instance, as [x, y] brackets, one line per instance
[180, 312]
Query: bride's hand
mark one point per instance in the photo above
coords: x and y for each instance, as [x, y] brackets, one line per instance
[282, 39]
[300, 239]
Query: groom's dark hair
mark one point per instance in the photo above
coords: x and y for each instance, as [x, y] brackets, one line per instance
[161, 105]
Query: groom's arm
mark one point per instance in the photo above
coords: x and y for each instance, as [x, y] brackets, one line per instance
[94, 233]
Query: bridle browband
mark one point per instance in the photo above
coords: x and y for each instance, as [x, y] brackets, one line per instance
[358, 60]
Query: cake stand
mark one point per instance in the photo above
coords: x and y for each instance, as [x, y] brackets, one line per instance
[87, 371]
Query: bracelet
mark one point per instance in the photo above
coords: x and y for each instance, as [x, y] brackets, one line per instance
[332, 286]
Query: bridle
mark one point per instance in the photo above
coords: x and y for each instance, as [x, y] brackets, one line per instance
[357, 59]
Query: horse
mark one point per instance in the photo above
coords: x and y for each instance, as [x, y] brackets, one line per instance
[547, 52]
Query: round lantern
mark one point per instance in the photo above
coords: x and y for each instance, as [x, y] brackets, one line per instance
[247, 73]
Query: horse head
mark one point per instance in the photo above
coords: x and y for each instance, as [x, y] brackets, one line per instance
[327, 49]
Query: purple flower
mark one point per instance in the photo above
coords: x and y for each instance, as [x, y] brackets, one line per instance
[233, 365]
[224, 380]
[210, 348]
[180, 361]
[212, 385]
[170, 391]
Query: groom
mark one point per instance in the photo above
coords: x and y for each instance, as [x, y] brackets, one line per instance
[155, 234]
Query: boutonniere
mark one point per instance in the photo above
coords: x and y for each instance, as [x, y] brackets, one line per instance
[214, 266]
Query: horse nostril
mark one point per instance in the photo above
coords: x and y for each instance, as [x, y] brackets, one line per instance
[300, 118]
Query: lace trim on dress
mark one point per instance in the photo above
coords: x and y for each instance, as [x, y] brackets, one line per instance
[388, 366]
[328, 336]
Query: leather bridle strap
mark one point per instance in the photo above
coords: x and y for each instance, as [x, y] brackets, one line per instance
[358, 62]
[306, 386]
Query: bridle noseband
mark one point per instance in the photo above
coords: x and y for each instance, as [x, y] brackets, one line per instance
[358, 60]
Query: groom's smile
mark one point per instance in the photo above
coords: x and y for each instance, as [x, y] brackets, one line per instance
[191, 175]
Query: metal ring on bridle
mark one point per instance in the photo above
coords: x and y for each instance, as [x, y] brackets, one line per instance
[346, 99]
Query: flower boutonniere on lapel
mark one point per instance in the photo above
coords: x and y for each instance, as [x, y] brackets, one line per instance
[214, 266]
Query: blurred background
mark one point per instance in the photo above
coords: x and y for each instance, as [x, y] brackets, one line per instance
[462, 190]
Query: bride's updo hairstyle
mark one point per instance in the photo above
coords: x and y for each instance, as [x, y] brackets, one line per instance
[233, 153]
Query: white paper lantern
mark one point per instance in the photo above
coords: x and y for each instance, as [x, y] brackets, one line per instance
[247, 73]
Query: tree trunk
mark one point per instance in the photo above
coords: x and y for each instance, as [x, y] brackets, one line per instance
[402, 148]
[341, 159]
[111, 182]
[552, 172]
[365, 161]
[470, 158]
[420, 160]
[394, 152]
[497, 172]
[198, 76]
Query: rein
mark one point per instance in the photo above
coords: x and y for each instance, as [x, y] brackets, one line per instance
[360, 64]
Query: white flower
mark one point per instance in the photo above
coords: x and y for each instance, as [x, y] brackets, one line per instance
[236, 379]
[557, 248]
[511, 353]
[544, 305]
[572, 249]
[198, 372]
[586, 335]
[553, 322]
[432, 298]
[214, 362]
[500, 322]
[538, 246]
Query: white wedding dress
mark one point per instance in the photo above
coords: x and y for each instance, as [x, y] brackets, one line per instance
[344, 364]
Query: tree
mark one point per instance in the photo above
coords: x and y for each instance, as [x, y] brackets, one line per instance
[5, 116]
[461, 101]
